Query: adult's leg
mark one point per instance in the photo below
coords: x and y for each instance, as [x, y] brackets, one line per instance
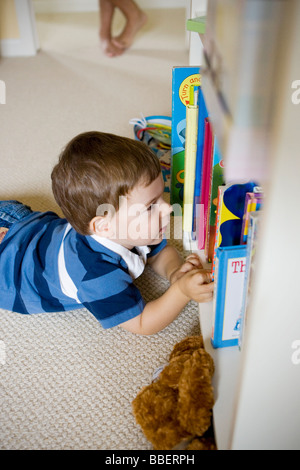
[106, 9]
[135, 20]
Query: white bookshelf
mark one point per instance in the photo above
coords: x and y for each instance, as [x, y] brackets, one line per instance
[257, 389]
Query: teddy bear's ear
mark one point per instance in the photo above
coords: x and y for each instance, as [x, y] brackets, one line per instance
[187, 346]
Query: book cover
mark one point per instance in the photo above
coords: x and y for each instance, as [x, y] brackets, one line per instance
[182, 79]
[228, 295]
[230, 211]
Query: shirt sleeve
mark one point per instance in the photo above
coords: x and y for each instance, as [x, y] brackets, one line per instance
[112, 297]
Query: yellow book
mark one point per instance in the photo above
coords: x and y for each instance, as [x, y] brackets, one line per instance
[190, 166]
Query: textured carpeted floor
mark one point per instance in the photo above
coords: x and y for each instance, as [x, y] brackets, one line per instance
[65, 383]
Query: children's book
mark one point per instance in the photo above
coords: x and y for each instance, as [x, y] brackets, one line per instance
[202, 115]
[205, 180]
[217, 179]
[228, 295]
[253, 203]
[230, 211]
[182, 79]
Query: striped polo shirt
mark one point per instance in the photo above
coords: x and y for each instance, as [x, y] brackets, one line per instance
[46, 266]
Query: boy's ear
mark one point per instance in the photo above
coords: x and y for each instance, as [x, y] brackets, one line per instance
[101, 226]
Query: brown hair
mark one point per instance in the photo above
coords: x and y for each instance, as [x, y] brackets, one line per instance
[97, 168]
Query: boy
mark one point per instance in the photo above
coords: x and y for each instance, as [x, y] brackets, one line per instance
[110, 190]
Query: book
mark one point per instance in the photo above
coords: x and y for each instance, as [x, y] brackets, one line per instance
[202, 115]
[190, 165]
[253, 202]
[217, 179]
[229, 218]
[251, 248]
[228, 295]
[205, 180]
[182, 79]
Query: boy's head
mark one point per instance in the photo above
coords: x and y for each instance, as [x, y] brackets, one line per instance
[96, 169]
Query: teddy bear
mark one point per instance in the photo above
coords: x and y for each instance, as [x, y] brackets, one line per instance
[175, 410]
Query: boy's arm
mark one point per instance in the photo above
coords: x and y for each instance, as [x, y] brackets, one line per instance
[161, 312]
[166, 262]
[169, 264]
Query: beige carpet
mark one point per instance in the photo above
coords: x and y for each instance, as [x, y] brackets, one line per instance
[65, 383]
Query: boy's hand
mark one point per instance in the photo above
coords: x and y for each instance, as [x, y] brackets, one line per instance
[191, 262]
[197, 285]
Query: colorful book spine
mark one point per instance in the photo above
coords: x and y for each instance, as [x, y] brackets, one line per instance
[217, 179]
[183, 78]
[205, 181]
[228, 295]
[253, 203]
[202, 115]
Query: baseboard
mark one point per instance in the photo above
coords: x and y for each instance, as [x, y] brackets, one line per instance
[61, 6]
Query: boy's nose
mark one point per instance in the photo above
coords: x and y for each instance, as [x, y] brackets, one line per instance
[166, 208]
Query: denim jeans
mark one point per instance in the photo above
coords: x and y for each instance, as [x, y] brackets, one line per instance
[11, 212]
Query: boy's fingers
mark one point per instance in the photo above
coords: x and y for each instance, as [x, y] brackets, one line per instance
[207, 288]
[194, 260]
[204, 277]
[187, 266]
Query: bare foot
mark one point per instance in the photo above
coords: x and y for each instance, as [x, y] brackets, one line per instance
[110, 49]
[134, 23]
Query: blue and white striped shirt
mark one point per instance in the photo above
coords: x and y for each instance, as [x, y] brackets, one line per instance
[46, 266]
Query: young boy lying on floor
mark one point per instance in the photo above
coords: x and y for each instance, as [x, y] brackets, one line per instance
[110, 190]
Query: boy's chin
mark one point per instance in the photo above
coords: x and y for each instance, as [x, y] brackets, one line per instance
[154, 241]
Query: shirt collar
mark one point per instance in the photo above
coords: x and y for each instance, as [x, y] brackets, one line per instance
[135, 262]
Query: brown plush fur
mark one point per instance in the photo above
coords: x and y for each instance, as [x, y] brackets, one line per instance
[178, 406]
